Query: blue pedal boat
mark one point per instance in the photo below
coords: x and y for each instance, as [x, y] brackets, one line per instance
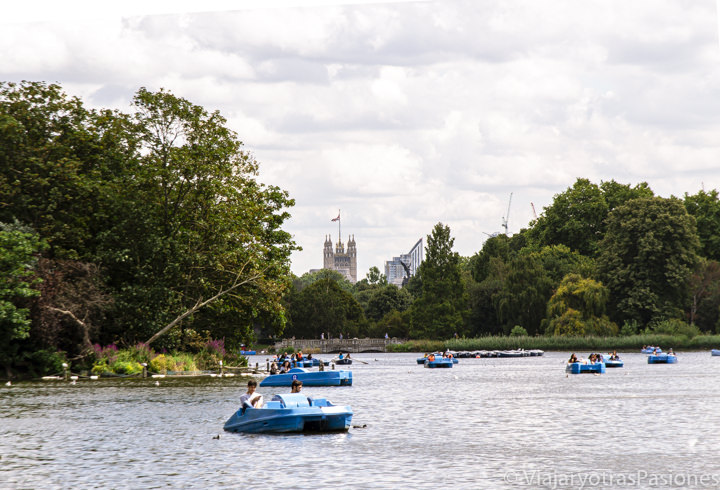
[580, 367]
[715, 352]
[247, 352]
[650, 350]
[311, 363]
[309, 378]
[617, 363]
[291, 412]
[421, 360]
[662, 359]
[439, 362]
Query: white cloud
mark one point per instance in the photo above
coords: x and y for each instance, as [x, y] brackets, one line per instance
[407, 114]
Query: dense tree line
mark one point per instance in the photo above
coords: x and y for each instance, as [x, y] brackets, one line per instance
[605, 259]
[143, 227]
[151, 227]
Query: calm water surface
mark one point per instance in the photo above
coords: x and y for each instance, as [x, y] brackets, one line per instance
[486, 423]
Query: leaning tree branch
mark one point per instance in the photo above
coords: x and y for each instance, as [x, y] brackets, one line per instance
[200, 303]
[85, 326]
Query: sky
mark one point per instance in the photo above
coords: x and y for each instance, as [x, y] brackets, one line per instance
[401, 115]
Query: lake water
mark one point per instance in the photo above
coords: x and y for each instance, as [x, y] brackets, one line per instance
[486, 423]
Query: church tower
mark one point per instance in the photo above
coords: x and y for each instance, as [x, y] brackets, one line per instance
[352, 254]
[328, 260]
[340, 260]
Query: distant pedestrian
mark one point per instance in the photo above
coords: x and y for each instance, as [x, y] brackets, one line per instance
[386, 336]
[322, 335]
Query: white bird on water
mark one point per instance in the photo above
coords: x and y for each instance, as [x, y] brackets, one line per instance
[157, 383]
[9, 383]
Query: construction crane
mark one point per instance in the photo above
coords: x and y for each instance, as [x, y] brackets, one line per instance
[533, 208]
[507, 215]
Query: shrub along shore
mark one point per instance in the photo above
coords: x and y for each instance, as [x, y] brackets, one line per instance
[631, 343]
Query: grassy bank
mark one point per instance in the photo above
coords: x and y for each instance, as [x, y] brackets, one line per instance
[565, 344]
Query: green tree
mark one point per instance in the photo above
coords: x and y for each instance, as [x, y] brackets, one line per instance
[497, 246]
[575, 219]
[705, 208]
[704, 287]
[204, 233]
[647, 256]
[578, 308]
[617, 194]
[386, 299]
[442, 308]
[18, 256]
[324, 306]
[524, 294]
[484, 316]
[58, 164]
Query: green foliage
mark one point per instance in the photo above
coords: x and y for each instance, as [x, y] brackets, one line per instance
[518, 331]
[126, 367]
[705, 208]
[442, 308]
[162, 364]
[578, 308]
[386, 299]
[674, 327]
[45, 362]
[524, 294]
[18, 251]
[646, 259]
[166, 199]
[324, 306]
[704, 291]
[576, 218]
[630, 327]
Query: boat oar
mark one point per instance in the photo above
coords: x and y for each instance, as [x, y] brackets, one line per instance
[358, 360]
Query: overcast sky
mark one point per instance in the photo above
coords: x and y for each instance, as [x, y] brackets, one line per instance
[406, 114]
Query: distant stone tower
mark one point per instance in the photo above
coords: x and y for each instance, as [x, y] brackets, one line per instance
[339, 260]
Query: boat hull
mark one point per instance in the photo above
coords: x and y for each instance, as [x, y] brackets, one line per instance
[651, 350]
[614, 364]
[580, 368]
[715, 352]
[291, 413]
[309, 378]
[662, 359]
[439, 363]
[421, 360]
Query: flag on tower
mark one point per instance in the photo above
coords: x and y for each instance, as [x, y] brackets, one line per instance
[336, 219]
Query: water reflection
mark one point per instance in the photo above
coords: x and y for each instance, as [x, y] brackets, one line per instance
[473, 426]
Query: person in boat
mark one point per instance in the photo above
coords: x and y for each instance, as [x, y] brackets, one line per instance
[309, 357]
[347, 356]
[431, 358]
[340, 356]
[251, 399]
[285, 367]
[573, 358]
[670, 352]
[274, 368]
[299, 356]
[296, 386]
[614, 356]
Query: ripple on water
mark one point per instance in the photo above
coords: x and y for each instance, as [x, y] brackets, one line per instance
[466, 426]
